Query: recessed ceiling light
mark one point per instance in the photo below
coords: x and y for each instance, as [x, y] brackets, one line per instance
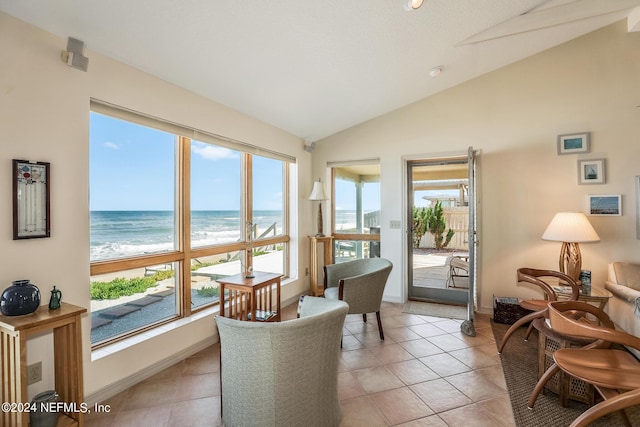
[413, 4]
[435, 71]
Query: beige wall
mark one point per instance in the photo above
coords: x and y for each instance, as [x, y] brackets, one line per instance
[513, 116]
[44, 113]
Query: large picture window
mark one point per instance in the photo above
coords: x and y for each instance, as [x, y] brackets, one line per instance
[170, 215]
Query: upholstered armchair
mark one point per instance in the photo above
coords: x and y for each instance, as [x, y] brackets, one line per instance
[283, 373]
[360, 283]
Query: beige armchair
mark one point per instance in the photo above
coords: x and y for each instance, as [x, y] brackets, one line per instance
[360, 283]
[283, 373]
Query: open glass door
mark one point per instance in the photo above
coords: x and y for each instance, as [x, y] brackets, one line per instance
[467, 326]
[439, 215]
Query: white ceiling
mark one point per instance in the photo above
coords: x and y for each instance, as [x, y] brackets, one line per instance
[315, 67]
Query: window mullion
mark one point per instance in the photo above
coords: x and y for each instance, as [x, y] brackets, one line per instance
[183, 197]
[247, 203]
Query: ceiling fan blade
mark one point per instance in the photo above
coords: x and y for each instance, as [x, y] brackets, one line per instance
[539, 18]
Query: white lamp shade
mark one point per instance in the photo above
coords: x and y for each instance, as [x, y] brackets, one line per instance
[318, 192]
[571, 227]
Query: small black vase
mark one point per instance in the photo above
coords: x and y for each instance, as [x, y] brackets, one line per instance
[22, 297]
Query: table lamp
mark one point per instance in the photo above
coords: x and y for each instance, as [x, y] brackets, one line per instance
[570, 228]
[318, 195]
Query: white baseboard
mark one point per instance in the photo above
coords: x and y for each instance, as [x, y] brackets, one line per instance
[115, 388]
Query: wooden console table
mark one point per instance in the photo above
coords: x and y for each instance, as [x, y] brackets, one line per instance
[251, 298]
[67, 353]
[317, 289]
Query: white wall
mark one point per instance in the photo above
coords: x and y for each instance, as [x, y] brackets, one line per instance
[44, 116]
[513, 115]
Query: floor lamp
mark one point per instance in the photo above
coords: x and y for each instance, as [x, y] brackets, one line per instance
[570, 228]
[318, 195]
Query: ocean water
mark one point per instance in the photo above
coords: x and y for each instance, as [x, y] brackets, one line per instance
[118, 234]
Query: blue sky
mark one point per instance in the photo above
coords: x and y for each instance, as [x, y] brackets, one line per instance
[132, 168]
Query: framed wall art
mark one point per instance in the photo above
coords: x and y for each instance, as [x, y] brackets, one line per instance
[573, 143]
[591, 171]
[607, 205]
[31, 211]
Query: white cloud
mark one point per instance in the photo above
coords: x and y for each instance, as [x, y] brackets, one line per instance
[111, 145]
[211, 152]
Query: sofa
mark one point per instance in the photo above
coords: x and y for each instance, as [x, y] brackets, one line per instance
[283, 373]
[623, 281]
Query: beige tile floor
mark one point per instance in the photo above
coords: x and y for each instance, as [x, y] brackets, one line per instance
[425, 373]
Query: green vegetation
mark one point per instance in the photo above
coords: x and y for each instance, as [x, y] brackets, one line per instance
[432, 220]
[204, 264]
[436, 225]
[419, 225]
[120, 287]
[208, 291]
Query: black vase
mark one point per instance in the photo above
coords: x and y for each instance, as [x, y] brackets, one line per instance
[22, 297]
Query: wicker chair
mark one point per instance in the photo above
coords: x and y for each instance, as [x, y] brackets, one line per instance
[283, 373]
[538, 306]
[360, 283]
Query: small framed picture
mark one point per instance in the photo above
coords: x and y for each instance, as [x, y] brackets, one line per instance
[608, 205]
[573, 143]
[591, 171]
[31, 211]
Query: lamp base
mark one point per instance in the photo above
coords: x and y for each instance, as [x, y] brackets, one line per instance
[571, 260]
[320, 225]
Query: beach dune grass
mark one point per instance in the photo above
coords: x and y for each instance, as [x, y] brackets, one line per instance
[120, 286]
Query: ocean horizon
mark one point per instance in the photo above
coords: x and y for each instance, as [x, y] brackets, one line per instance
[118, 234]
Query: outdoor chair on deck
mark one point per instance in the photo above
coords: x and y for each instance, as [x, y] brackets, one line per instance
[539, 307]
[614, 373]
[360, 283]
[458, 269]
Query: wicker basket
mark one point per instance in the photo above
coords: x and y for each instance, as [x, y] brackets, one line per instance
[563, 384]
[507, 310]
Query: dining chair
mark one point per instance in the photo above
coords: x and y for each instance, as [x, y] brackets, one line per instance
[538, 307]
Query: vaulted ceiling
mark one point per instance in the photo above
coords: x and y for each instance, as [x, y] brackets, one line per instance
[315, 67]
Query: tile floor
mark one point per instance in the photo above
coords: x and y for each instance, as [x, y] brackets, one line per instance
[425, 373]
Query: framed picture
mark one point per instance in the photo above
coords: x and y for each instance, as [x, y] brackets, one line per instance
[609, 205]
[591, 171]
[573, 143]
[31, 212]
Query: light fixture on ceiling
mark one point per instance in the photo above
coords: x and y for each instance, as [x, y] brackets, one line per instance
[413, 4]
[436, 71]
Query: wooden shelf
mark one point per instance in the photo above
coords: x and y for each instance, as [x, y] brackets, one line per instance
[67, 354]
[315, 283]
